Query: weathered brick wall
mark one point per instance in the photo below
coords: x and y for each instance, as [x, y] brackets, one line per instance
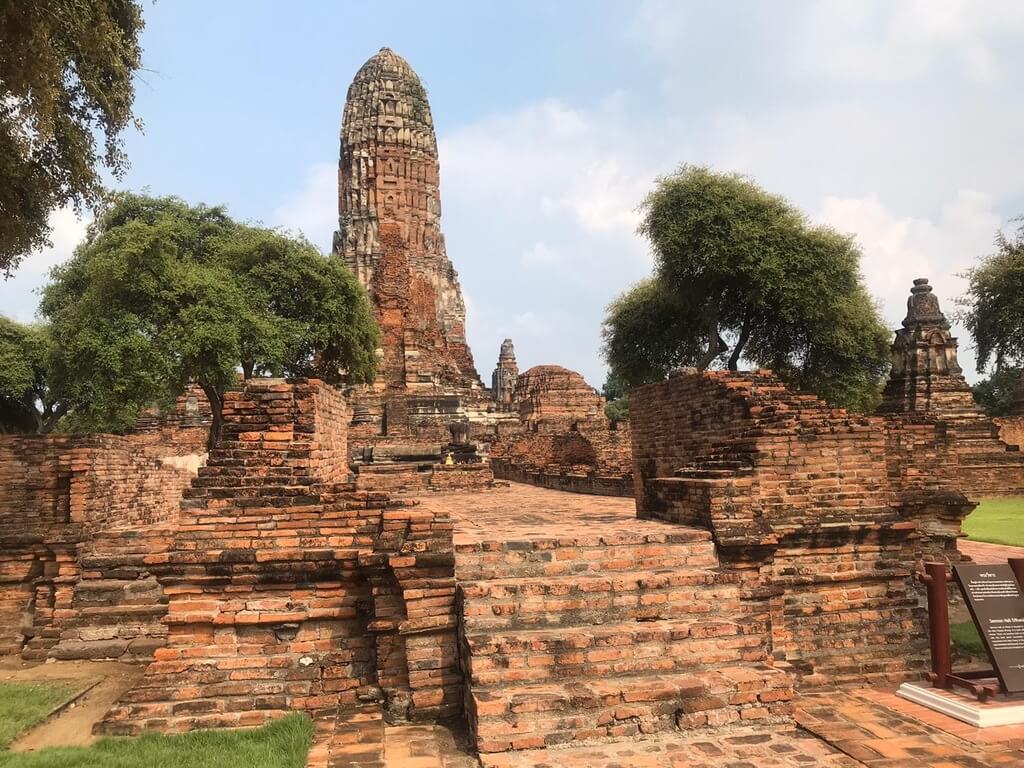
[61, 498]
[811, 505]
[1011, 430]
[290, 591]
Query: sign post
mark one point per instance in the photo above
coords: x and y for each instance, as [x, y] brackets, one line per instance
[993, 596]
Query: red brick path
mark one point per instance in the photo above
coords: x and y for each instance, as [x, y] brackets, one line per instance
[988, 554]
[882, 731]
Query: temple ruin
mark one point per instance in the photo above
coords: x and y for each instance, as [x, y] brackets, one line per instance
[426, 547]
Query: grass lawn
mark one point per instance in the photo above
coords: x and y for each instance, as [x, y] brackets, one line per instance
[22, 705]
[966, 639]
[281, 744]
[999, 521]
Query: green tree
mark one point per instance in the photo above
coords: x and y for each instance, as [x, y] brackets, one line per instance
[161, 293]
[66, 69]
[741, 274]
[30, 399]
[996, 394]
[994, 313]
[616, 396]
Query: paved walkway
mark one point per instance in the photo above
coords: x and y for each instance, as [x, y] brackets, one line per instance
[988, 554]
[859, 728]
[880, 730]
[528, 513]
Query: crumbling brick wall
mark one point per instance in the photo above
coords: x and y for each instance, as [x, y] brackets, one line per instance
[290, 590]
[811, 507]
[61, 495]
[1011, 430]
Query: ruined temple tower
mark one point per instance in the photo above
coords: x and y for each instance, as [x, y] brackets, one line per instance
[503, 379]
[389, 234]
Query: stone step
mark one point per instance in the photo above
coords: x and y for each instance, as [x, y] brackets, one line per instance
[535, 716]
[514, 560]
[605, 651]
[534, 603]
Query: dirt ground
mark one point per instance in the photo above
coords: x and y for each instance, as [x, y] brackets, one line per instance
[72, 726]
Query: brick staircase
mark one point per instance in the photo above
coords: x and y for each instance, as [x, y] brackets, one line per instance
[599, 638]
[118, 605]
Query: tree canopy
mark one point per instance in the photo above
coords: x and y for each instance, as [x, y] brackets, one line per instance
[162, 293]
[994, 313]
[66, 69]
[31, 399]
[996, 393]
[741, 274]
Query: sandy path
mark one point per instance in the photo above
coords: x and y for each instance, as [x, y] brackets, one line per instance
[73, 725]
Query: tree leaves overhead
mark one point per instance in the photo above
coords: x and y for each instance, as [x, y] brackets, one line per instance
[66, 69]
[995, 303]
[740, 274]
[162, 293]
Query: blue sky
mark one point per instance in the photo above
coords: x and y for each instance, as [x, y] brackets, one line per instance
[898, 121]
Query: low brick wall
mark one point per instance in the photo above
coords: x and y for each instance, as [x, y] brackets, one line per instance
[572, 482]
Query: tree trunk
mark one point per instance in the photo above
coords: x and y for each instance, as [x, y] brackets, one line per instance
[216, 399]
[715, 343]
[741, 342]
[247, 369]
[51, 417]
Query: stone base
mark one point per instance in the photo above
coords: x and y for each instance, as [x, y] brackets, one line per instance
[1000, 710]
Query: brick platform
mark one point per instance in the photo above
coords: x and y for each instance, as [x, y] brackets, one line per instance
[582, 624]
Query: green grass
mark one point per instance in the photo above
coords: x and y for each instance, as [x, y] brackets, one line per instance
[966, 639]
[999, 521]
[281, 744]
[22, 705]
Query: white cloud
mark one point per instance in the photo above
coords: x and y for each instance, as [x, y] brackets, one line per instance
[19, 294]
[899, 248]
[541, 253]
[892, 40]
[313, 208]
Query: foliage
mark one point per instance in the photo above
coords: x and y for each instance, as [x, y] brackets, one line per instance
[24, 705]
[966, 639]
[995, 303]
[66, 69]
[742, 275]
[999, 521]
[996, 393]
[31, 399]
[283, 743]
[161, 293]
[649, 331]
[616, 395]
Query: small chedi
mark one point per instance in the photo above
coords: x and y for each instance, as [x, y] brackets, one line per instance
[364, 553]
[927, 385]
